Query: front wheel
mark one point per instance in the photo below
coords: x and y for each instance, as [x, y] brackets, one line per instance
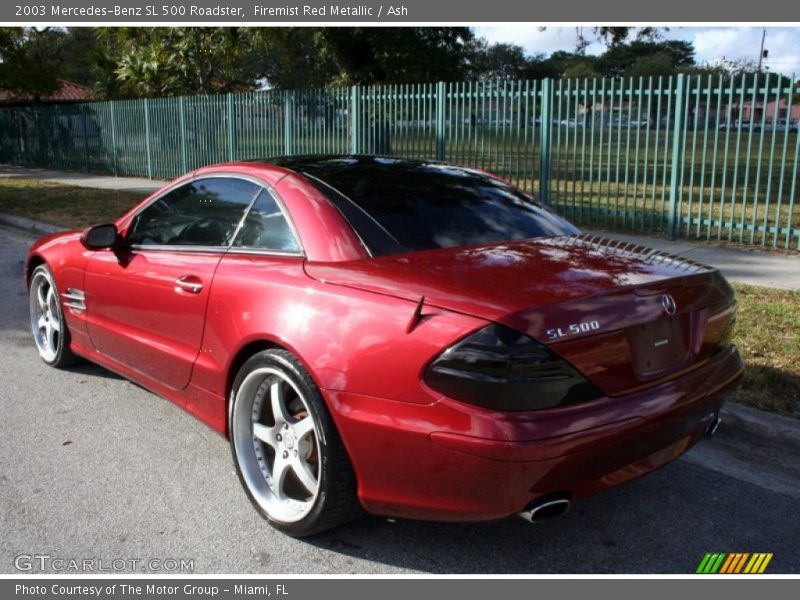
[47, 320]
[288, 454]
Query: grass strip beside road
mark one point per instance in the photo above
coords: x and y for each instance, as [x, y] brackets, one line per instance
[768, 325]
[64, 205]
[768, 336]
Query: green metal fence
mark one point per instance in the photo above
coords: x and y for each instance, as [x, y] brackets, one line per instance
[697, 157]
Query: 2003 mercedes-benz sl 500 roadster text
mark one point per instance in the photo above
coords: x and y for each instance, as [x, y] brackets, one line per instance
[410, 338]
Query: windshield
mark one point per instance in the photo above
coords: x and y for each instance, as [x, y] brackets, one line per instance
[397, 205]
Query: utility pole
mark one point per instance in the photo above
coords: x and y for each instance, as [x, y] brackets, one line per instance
[761, 52]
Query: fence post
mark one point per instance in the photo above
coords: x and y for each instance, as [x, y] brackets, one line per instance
[40, 138]
[148, 142]
[287, 122]
[20, 137]
[440, 121]
[184, 141]
[677, 151]
[355, 120]
[114, 156]
[546, 119]
[85, 137]
[53, 145]
[24, 146]
[231, 128]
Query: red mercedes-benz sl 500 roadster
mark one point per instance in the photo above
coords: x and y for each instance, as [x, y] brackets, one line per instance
[404, 337]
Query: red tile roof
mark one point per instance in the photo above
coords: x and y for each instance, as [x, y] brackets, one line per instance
[69, 91]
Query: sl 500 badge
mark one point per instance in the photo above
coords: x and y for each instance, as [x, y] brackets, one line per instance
[572, 329]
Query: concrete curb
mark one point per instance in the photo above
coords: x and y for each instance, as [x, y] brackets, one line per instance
[737, 420]
[29, 225]
[759, 426]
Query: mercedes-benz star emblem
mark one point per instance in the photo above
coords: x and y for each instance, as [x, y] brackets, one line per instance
[668, 303]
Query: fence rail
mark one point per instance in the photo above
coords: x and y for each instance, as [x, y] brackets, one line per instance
[696, 157]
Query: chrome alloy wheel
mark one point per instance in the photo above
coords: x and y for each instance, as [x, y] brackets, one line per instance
[45, 311]
[276, 443]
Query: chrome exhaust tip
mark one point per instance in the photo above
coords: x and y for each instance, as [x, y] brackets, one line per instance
[546, 508]
[712, 429]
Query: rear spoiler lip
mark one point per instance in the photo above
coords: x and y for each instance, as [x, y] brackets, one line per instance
[641, 251]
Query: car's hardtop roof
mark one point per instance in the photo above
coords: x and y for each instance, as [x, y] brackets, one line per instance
[335, 170]
[398, 204]
[331, 163]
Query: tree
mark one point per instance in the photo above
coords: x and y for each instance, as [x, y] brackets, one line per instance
[178, 60]
[540, 67]
[738, 71]
[658, 63]
[571, 64]
[135, 62]
[24, 71]
[499, 61]
[507, 61]
[289, 58]
[82, 58]
[298, 57]
[581, 69]
[33, 60]
[365, 55]
[618, 59]
[616, 36]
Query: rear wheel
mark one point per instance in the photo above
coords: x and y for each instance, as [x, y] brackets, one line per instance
[47, 320]
[288, 454]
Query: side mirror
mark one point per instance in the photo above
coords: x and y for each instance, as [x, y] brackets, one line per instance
[100, 236]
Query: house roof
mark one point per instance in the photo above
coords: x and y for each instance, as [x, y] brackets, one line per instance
[68, 91]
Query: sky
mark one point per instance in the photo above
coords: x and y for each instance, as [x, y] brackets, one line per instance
[711, 43]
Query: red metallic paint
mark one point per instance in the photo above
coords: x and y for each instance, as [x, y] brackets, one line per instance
[324, 233]
[345, 316]
[141, 318]
[484, 464]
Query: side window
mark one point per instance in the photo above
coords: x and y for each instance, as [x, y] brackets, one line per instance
[204, 212]
[266, 228]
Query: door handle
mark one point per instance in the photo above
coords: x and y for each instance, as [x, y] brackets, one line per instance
[188, 283]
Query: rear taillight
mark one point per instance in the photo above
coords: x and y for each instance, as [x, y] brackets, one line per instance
[720, 328]
[503, 369]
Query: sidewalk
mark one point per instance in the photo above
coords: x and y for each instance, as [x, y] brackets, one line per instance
[745, 264]
[139, 185]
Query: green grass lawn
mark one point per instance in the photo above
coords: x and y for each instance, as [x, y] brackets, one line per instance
[64, 205]
[768, 326]
[768, 336]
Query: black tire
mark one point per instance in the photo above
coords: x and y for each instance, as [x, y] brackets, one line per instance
[62, 356]
[335, 502]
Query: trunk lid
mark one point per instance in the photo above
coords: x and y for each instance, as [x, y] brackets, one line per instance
[626, 316]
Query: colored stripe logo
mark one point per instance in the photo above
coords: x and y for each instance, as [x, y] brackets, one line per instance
[733, 563]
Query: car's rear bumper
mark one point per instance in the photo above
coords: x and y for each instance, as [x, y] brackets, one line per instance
[451, 461]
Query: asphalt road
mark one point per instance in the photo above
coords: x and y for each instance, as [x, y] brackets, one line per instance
[92, 466]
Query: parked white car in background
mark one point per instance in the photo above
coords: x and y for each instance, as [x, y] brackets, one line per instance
[781, 125]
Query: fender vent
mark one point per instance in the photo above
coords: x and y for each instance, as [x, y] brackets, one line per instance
[75, 300]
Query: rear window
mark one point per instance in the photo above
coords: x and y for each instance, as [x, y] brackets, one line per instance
[399, 206]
